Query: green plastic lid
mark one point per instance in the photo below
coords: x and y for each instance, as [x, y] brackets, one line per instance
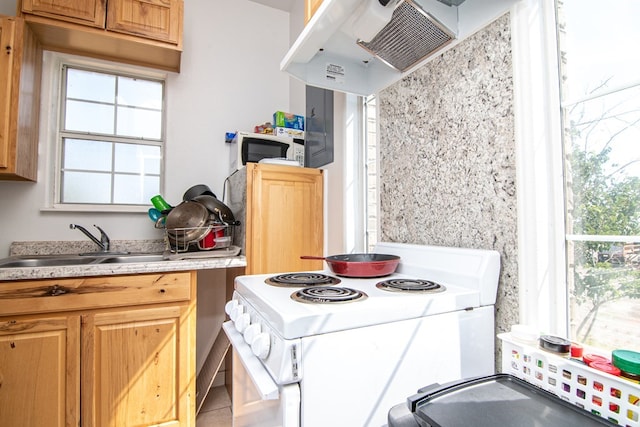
[627, 361]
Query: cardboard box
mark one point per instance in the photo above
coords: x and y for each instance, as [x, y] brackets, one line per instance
[288, 133]
[288, 120]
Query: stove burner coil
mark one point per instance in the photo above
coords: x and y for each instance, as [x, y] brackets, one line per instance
[302, 279]
[328, 295]
[410, 285]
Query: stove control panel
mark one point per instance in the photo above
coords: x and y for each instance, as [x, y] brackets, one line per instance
[279, 356]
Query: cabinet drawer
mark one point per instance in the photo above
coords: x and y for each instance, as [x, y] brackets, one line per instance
[40, 296]
[85, 12]
[154, 19]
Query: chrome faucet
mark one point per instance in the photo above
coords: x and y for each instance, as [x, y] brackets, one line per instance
[104, 242]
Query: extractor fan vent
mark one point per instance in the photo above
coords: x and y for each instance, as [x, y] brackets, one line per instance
[411, 36]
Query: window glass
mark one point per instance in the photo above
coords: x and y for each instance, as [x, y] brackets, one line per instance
[135, 158]
[371, 176]
[87, 154]
[128, 189]
[91, 86]
[139, 123]
[86, 187]
[110, 139]
[89, 117]
[139, 93]
[600, 43]
[601, 115]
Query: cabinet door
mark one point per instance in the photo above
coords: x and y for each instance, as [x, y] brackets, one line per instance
[284, 218]
[20, 72]
[86, 12]
[7, 32]
[154, 19]
[138, 367]
[39, 371]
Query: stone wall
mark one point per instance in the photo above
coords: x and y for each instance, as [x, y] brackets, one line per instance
[447, 156]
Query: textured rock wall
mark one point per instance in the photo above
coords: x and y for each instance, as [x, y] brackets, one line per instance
[447, 156]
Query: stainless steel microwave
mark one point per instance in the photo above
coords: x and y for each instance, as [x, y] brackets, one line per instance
[253, 147]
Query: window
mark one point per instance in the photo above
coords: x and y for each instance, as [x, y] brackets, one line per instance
[371, 172]
[600, 103]
[110, 138]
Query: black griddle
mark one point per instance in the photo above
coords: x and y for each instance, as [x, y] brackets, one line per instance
[496, 400]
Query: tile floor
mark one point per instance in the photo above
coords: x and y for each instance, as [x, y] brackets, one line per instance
[216, 409]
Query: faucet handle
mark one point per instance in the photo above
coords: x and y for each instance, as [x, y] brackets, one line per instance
[104, 239]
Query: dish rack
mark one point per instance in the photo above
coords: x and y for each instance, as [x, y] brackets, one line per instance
[193, 239]
[613, 398]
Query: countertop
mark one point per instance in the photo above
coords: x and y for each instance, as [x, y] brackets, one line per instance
[43, 248]
[32, 273]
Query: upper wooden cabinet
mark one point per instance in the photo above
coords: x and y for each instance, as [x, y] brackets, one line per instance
[20, 71]
[155, 19]
[142, 32]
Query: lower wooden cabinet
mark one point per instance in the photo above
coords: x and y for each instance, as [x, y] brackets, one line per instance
[135, 371]
[39, 371]
[131, 365]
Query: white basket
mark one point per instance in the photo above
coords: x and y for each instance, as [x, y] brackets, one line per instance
[605, 395]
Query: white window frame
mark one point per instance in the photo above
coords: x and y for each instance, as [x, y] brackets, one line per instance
[539, 163]
[50, 114]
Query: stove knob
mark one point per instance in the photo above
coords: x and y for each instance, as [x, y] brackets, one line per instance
[242, 321]
[251, 332]
[261, 345]
[236, 311]
[230, 305]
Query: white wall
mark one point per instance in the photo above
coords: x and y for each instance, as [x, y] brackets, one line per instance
[8, 7]
[230, 80]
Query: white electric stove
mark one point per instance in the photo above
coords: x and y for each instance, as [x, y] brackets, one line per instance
[343, 352]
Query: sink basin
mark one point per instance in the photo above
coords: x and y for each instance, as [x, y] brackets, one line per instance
[67, 260]
[123, 259]
[46, 261]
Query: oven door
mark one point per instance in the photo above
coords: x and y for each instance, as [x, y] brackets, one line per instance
[257, 401]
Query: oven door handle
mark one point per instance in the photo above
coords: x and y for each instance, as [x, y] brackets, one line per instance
[265, 385]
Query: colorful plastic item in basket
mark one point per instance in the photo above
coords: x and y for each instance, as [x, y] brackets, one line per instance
[214, 239]
[605, 395]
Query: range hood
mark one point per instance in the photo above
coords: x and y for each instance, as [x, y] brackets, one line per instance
[363, 46]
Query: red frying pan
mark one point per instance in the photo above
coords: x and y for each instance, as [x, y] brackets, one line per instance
[360, 265]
